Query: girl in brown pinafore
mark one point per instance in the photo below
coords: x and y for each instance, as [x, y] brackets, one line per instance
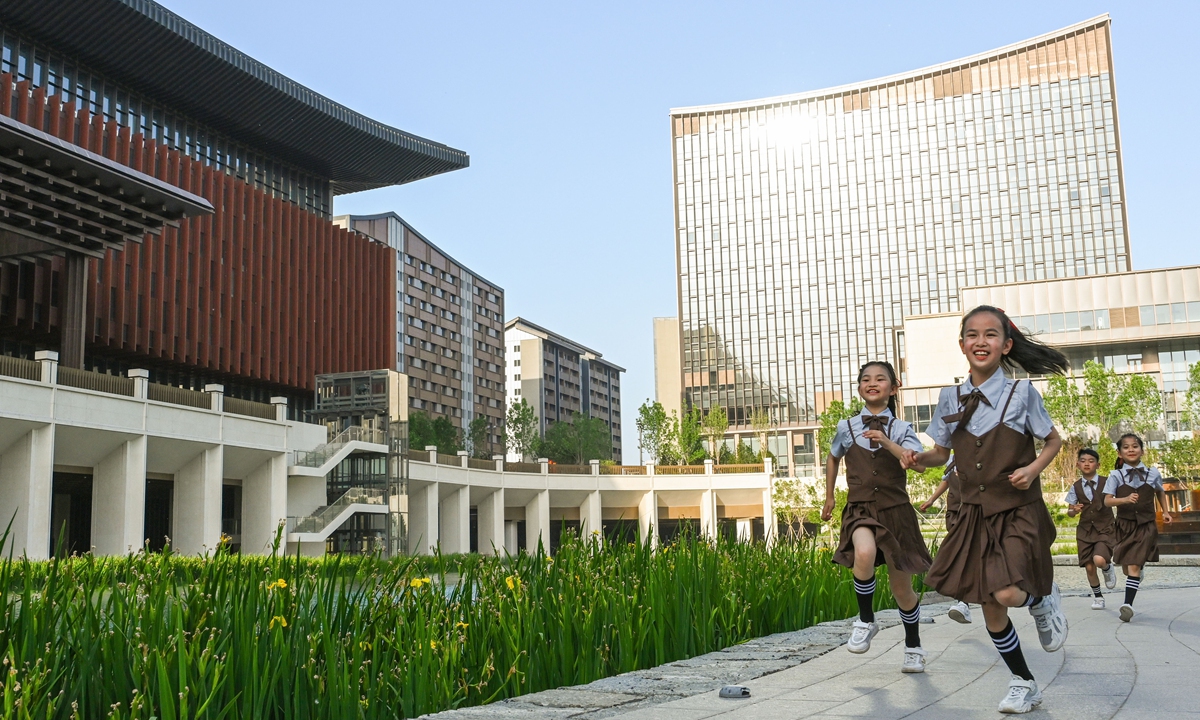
[997, 553]
[879, 524]
[1131, 489]
[960, 611]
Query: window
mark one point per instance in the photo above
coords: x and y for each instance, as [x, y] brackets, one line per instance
[1162, 313]
[1146, 312]
[1178, 312]
[1193, 311]
[1086, 320]
[1072, 321]
[1102, 322]
[1057, 323]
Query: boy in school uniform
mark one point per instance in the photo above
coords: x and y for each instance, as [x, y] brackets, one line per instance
[1095, 535]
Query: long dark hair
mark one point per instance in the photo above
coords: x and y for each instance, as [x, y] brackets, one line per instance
[1121, 461]
[891, 371]
[1033, 357]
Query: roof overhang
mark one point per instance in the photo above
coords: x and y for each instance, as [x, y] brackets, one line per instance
[153, 51]
[56, 196]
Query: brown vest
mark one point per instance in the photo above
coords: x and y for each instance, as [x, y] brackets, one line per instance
[984, 463]
[1143, 510]
[875, 475]
[953, 490]
[1095, 517]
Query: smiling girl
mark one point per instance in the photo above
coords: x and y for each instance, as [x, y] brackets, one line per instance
[1131, 489]
[997, 553]
[879, 525]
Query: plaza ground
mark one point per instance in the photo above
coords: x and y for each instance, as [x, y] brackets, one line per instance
[1108, 669]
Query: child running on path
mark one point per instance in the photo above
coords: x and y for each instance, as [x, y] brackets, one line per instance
[1131, 489]
[879, 524]
[1094, 535]
[959, 612]
[998, 553]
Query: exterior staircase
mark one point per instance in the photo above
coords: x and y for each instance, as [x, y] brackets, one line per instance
[322, 459]
[324, 520]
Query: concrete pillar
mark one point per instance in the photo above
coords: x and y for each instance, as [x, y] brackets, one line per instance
[264, 505]
[217, 394]
[455, 516]
[708, 514]
[464, 458]
[591, 523]
[648, 518]
[595, 467]
[510, 537]
[499, 460]
[281, 408]
[119, 499]
[196, 503]
[708, 466]
[545, 466]
[770, 522]
[537, 522]
[26, 489]
[491, 524]
[48, 359]
[745, 530]
[75, 318]
[141, 383]
[423, 520]
[432, 450]
[791, 455]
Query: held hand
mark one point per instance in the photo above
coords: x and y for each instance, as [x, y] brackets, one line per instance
[908, 459]
[827, 511]
[1131, 499]
[1022, 478]
[1077, 508]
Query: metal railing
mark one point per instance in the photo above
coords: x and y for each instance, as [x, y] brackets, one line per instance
[177, 396]
[622, 469]
[444, 459]
[731, 469]
[323, 517]
[523, 467]
[481, 464]
[20, 368]
[317, 457]
[678, 469]
[238, 406]
[88, 380]
[556, 469]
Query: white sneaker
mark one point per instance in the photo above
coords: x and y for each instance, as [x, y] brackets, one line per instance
[960, 613]
[1126, 612]
[860, 637]
[1050, 620]
[1023, 696]
[1097, 603]
[914, 660]
[1110, 575]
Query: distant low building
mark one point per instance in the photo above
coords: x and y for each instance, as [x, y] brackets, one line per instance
[560, 377]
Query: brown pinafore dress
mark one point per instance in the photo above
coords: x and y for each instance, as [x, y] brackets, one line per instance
[1003, 535]
[953, 496]
[1095, 534]
[1136, 526]
[878, 499]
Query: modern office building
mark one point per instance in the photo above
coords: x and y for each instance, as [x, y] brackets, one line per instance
[560, 377]
[809, 226]
[1146, 321]
[449, 327]
[262, 294]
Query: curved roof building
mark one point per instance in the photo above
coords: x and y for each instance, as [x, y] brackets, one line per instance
[809, 225]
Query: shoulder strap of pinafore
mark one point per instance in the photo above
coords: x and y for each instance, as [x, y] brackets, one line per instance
[850, 427]
[1004, 412]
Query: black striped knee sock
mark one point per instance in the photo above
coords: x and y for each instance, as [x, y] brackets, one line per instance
[1096, 591]
[1009, 646]
[912, 626]
[1131, 588]
[865, 591]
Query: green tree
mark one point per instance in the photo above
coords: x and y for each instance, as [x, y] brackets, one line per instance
[521, 429]
[653, 427]
[1191, 403]
[479, 438]
[439, 432]
[835, 413]
[715, 423]
[576, 442]
[745, 454]
[687, 438]
[1181, 458]
[760, 423]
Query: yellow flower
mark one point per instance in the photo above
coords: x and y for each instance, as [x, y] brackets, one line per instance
[462, 625]
[280, 583]
[433, 645]
[419, 582]
[512, 582]
[277, 619]
[364, 645]
[549, 561]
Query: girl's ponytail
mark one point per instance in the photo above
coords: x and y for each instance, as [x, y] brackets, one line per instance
[1028, 354]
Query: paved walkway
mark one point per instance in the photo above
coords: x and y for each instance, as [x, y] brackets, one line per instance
[1149, 668]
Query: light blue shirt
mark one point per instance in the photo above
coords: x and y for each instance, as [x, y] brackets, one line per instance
[1026, 413]
[1120, 477]
[1073, 499]
[899, 432]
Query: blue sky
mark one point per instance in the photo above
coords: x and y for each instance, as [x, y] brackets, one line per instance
[563, 109]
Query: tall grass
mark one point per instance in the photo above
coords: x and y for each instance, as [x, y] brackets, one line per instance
[228, 636]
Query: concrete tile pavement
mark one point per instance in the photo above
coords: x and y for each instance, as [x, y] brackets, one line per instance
[1108, 669]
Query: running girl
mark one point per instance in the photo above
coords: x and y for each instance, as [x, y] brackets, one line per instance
[1131, 489]
[879, 524]
[998, 552]
[959, 612]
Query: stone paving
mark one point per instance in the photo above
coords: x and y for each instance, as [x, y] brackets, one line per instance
[1108, 669]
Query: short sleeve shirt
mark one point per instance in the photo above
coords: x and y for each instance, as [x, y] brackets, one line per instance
[899, 432]
[1026, 413]
[1121, 476]
[1073, 499]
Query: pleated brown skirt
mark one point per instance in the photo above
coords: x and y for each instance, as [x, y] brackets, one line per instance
[1137, 543]
[981, 555]
[1091, 543]
[898, 541]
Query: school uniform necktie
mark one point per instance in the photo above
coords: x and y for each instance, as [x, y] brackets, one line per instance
[875, 422]
[1091, 489]
[1133, 475]
[969, 404]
